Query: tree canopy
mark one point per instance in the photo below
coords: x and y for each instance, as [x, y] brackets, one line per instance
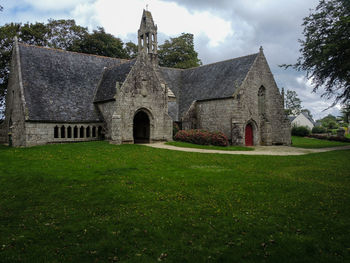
[178, 52]
[292, 103]
[100, 43]
[325, 52]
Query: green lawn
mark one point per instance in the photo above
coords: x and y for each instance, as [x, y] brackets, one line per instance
[209, 147]
[303, 142]
[96, 202]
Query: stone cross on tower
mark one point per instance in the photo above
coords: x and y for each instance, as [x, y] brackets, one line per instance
[147, 35]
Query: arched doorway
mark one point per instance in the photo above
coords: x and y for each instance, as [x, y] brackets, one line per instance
[249, 135]
[141, 126]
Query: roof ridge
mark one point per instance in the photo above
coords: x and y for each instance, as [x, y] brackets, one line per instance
[119, 65]
[181, 69]
[217, 62]
[62, 50]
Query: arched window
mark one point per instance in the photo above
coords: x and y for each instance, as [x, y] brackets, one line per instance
[88, 132]
[94, 131]
[63, 132]
[81, 132]
[69, 132]
[261, 101]
[55, 132]
[75, 132]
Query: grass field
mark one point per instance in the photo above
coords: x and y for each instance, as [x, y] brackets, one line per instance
[209, 147]
[303, 142]
[96, 202]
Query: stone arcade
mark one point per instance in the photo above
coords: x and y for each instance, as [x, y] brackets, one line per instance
[59, 96]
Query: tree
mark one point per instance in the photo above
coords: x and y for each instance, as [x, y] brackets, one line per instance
[292, 103]
[62, 34]
[179, 52]
[325, 52]
[308, 112]
[329, 122]
[131, 49]
[345, 113]
[100, 43]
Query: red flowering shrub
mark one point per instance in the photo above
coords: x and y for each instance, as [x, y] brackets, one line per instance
[330, 138]
[202, 137]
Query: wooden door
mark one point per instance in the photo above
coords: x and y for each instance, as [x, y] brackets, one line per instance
[249, 135]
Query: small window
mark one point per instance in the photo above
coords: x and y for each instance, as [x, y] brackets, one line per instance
[63, 132]
[99, 132]
[55, 132]
[94, 131]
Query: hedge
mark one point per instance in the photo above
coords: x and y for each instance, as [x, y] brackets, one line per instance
[300, 131]
[202, 137]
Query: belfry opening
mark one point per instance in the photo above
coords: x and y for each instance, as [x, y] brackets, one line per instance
[141, 128]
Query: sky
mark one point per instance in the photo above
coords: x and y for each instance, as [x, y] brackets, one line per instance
[223, 29]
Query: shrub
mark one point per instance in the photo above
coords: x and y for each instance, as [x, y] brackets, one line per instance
[202, 137]
[319, 129]
[300, 131]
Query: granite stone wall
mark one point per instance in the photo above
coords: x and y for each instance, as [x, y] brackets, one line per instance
[43, 133]
[215, 115]
[272, 124]
[143, 90]
[106, 109]
[257, 102]
[15, 112]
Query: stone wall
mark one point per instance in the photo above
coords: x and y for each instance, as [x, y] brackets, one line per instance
[43, 133]
[107, 109]
[142, 90]
[231, 116]
[15, 103]
[215, 115]
[272, 125]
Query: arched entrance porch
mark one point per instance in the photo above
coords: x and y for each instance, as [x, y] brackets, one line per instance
[141, 127]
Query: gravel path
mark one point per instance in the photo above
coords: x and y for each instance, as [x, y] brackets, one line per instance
[259, 150]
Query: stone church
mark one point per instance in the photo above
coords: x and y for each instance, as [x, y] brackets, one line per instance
[59, 96]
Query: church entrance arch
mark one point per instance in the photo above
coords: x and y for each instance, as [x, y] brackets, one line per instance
[249, 140]
[141, 127]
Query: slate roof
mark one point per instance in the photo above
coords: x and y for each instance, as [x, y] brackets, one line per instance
[212, 81]
[173, 78]
[106, 88]
[291, 118]
[59, 86]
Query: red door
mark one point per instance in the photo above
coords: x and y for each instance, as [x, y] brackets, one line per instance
[249, 135]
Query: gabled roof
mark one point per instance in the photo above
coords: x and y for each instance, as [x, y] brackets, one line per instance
[291, 118]
[212, 81]
[173, 78]
[107, 86]
[308, 117]
[59, 85]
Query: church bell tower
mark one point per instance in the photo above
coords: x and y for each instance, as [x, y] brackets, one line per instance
[147, 36]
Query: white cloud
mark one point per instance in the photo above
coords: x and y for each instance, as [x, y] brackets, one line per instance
[123, 17]
[54, 4]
